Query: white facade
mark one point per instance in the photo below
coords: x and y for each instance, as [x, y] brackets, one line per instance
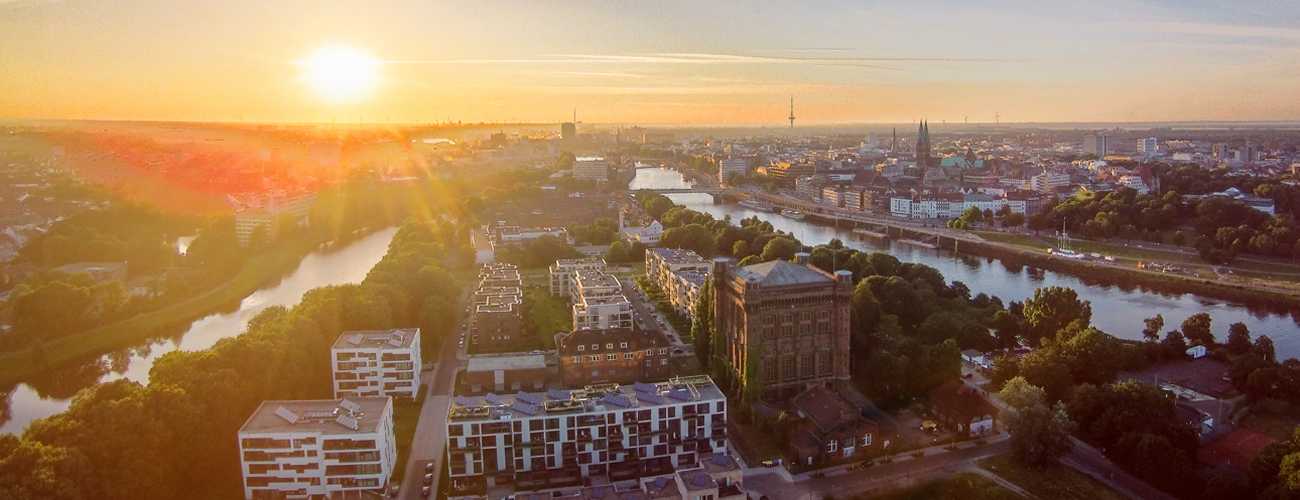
[1096, 144]
[588, 431]
[264, 211]
[900, 206]
[297, 449]
[1147, 146]
[1048, 181]
[377, 363]
[562, 272]
[591, 169]
[648, 236]
[599, 313]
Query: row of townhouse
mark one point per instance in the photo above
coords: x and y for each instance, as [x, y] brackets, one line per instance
[952, 205]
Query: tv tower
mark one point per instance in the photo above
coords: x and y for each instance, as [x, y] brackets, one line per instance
[792, 112]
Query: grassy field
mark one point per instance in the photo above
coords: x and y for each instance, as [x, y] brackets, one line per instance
[548, 316]
[1055, 481]
[255, 275]
[961, 486]
[1016, 240]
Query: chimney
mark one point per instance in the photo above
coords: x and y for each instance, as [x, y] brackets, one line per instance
[720, 265]
[802, 258]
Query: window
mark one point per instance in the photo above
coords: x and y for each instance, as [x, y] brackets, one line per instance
[595, 347]
[663, 361]
[866, 439]
[824, 315]
[769, 320]
[627, 355]
[824, 363]
[805, 365]
[609, 345]
[595, 359]
[787, 318]
[806, 316]
[611, 357]
[832, 446]
[663, 350]
[649, 352]
[769, 370]
[787, 366]
[581, 348]
[622, 345]
[577, 359]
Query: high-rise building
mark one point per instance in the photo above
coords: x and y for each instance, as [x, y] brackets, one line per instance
[591, 169]
[1147, 146]
[732, 166]
[568, 131]
[1220, 150]
[784, 325]
[1048, 181]
[377, 363]
[318, 448]
[1096, 144]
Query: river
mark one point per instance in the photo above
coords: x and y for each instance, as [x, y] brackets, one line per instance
[1115, 310]
[52, 393]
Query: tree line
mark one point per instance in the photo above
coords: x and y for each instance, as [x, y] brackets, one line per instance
[124, 440]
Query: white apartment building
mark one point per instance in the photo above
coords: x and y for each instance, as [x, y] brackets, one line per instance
[901, 206]
[732, 166]
[562, 272]
[591, 169]
[264, 211]
[599, 313]
[683, 289]
[377, 363]
[606, 430]
[1047, 181]
[662, 263]
[1097, 144]
[648, 235]
[593, 283]
[1147, 146]
[317, 448]
[513, 235]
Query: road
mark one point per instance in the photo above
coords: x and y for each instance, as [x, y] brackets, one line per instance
[883, 477]
[648, 322]
[430, 433]
[1090, 461]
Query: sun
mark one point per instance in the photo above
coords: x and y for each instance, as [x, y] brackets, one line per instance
[340, 73]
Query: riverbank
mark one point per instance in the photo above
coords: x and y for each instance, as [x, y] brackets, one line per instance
[1122, 276]
[262, 270]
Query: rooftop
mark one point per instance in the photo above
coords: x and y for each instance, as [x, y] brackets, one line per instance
[592, 399]
[494, 363]
[377, 339]
[782, 273]
[678, 256]
[325, 416]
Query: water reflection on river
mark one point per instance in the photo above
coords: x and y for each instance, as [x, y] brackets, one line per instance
[51, 393]
[1115, 310]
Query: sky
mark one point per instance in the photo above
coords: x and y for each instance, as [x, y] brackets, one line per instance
[659, 61]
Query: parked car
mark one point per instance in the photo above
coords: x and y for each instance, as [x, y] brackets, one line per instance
[424, 492]
[392, 492]
[772, 463]
[535, 352]
[428, 468]
[428, 479]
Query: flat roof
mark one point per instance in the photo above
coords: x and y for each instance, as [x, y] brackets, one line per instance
[679, 256]
[377, 339]
[316, 415]
[593, 399]
[518, 362]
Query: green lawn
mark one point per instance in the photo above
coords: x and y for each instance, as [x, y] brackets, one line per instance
[1016, 240]
[406, 416]
[961, 486]
[547, 317]
[1055, 481]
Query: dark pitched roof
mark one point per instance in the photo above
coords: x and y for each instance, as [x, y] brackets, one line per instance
[782, 273]
[567, 343]
[962, 399]
[825, 408]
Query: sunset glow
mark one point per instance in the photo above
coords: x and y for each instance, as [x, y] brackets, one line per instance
[341, 74]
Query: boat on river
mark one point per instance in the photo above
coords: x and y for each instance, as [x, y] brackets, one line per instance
[756, 205]
[792, 214]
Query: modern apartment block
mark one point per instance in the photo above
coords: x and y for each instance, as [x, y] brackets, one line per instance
[496, 324]
[791, 316]
[598, 301]
[562, 272]
[612, 355]
[377, 363]
[1048, 181]
[264, 211]
[591, 169]
[318, 448]
[560, 437]
[662, 263]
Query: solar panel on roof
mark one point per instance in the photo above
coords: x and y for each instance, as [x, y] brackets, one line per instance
[349, 406]
[650, 396]
[617, 400]
[598, 493]
[719, 460]
[318, 414]
[492, 398]
[643, 387]
[661, 482]
[700, 480]
[396, 342]
[356, 339]
[557, 394]
[524, 408]
[287, 414]
[680, 395]
[464, 401]
[348, 422]
[531, 399]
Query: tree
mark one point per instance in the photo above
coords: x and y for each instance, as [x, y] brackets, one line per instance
[617, 252]
[1238, 339]
[693, 237]
[1013, 219]
[702, 326]
[1153, 326]
[1264, 349]
[1197, 330]
[740, 250]
[1040, 434]
[1053, 308]
[972, 215]
[781, 247]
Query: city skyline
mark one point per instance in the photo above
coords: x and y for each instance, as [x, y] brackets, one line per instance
[670, 63]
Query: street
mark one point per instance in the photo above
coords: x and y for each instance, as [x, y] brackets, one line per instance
[430, 433]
